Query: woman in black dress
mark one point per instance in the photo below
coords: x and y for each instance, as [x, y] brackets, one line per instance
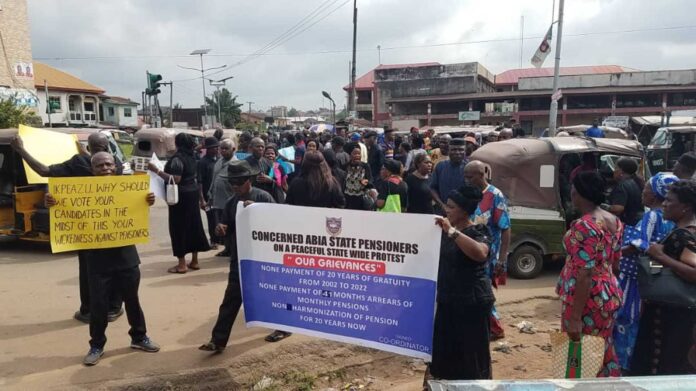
[666, 342]
[420, 198]
[185, 224]
[464, 294]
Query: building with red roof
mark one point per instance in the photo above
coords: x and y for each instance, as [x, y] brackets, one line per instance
[432, 94]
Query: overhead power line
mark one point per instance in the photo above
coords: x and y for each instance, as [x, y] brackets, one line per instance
[267, 53]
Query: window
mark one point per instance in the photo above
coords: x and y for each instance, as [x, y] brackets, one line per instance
[111, 112]
[89, 106]
[682, 99]
[127, 112]
[71, 105]
[532, 104]
[589, 102]
[54, 103]
[639, 100]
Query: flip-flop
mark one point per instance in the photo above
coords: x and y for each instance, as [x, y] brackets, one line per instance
[175, 270]
[190, 266]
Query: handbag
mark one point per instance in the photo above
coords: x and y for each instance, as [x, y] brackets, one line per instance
[659, 284]
[576, 360]
[172, 191]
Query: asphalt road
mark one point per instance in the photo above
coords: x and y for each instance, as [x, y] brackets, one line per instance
[42, 346]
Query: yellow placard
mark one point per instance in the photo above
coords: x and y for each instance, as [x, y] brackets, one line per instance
[46, 146]
[99, 212]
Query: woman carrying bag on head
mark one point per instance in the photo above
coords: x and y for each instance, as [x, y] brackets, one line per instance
[666, 343]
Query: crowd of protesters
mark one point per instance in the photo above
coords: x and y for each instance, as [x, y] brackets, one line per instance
[425, 173]
[419, 172]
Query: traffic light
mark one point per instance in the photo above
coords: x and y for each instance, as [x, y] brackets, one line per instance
[153, 84]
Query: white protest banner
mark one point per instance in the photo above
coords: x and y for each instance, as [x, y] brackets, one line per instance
[156, 182]
[364, 278]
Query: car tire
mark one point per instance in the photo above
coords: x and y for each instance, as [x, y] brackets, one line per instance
[526, 262]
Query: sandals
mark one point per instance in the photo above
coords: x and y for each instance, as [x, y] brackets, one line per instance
[176, 270]
[193, 267]
[211, 347]
[277, 336]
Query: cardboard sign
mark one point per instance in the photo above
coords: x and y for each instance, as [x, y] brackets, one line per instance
[99, 212]
[46, 146]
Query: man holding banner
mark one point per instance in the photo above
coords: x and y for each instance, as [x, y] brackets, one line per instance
[78, 166]
[108, 267]
[240, 174]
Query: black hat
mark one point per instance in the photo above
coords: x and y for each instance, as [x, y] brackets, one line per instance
[241, 169]
[211, 142]
[370, 133]
[457, 142]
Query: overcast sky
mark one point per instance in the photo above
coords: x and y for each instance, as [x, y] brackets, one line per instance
[158, 35]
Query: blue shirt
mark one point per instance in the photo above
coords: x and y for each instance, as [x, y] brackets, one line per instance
[594, 132]
[447, 177]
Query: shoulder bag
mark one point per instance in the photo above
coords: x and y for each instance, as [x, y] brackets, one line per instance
[660, 285]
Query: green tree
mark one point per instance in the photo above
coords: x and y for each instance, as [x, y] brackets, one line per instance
[292, 112]
[340, 116]
[12, 115]
[230, 112]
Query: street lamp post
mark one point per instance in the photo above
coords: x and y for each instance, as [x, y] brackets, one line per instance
[328, 96]
[217, 84]
[201, 52]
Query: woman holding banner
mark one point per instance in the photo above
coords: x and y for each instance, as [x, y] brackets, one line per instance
[464, 294]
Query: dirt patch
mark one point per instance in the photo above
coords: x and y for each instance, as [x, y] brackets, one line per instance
[327, 365]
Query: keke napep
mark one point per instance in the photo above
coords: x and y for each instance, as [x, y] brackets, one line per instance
[534, 175]
[23, 214]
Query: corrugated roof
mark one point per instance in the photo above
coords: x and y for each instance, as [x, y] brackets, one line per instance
[365, 82]
[512, 76]
[59, 80]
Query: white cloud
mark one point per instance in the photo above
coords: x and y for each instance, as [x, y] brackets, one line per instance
[166, 28]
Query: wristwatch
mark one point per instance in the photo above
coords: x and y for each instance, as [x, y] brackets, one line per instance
[452, 233]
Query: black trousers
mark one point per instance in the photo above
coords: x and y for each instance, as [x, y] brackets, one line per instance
[115, 298]
[126, 282]
[229, 309]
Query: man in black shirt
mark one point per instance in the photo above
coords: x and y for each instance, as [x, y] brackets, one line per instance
[625, 200]
[116, 268]
[262, 181]
[375, 155]
[240, 174]
[77, 166]
[205, 168]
